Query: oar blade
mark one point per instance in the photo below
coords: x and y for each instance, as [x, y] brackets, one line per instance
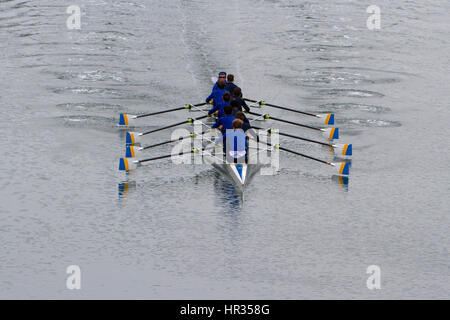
[132, 137]
[132, 151]
[331, 133]
[343, 168]
[328, 118]
[343, 149]
[125, 119]
[127, 164]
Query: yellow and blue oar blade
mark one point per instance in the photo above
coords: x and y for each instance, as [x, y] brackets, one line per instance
[343, 168]
[132, 151]
[125, 119]
[343, 149]
[331, 133]
[328, 118]
[127, 164]
[133, 137]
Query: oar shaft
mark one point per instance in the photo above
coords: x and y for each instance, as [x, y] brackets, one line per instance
[296, 153]
[163, 143]
[174, 125]
[304, 139]
[295, 123]
[303, 155]
[282, 108]
[156, 158]
[169, 110]
[286, 121]
[170, 155]
[169, 141]
[297, 137]
[159, 112]
[166, 127]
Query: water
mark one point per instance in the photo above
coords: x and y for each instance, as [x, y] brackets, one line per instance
[168, 231]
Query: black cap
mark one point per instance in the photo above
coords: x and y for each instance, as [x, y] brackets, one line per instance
[222, 74]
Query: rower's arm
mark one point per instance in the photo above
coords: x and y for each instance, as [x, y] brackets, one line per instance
[213, 109]
[210, 97]
[245, 106]
[217, 124]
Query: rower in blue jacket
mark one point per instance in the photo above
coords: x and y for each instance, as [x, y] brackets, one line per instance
[219, 108]
[226, 122]
[235, 143]
[218, 89]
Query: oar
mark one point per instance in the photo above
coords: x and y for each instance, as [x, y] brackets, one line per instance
[343, 167]
[133, 137]
[330, 133]
[131, 151]
[127, 164]
[124, 117]
[343, 149]
[329, 117]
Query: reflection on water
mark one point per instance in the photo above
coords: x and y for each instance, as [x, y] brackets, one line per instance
[227, 192]
[125, 187]
[342, 181]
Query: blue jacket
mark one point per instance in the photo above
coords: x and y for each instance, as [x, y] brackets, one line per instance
[219, 107]
[216, 94]
[225, 121]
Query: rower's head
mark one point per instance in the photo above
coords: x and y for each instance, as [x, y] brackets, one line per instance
[221, 79]
[222, 75]
[228, 110]
[240, 115]
[237, 124]
[221, 83]
[230, 78]
[237, 92]
[226, 96]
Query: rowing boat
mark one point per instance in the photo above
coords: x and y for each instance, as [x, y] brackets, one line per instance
[239, 173]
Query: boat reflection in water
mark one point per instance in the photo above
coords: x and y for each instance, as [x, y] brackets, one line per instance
[125, 187]
[342, 181]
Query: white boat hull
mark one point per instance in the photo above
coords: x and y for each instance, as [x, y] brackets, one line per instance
[240, 174]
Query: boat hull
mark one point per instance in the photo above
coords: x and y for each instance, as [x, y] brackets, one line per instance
[239, 174]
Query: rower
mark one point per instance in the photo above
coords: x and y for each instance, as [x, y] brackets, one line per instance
[219, 108]
[226, 122]
[218, 90]
[235, 143]
[230, 86]
[245, 123]
[237, 95]
[249, 131]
